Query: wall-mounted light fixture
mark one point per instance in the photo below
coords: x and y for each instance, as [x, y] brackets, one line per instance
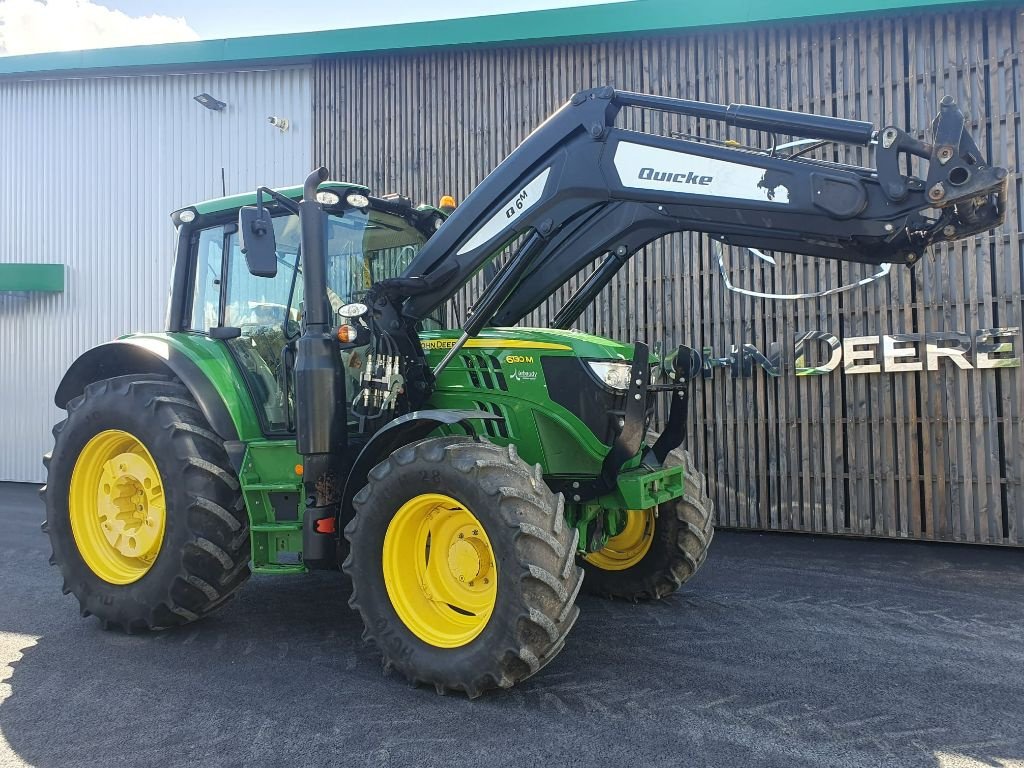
[209, 102]
[281, 123]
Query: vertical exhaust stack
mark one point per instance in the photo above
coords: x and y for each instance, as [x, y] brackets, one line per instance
[320, 424]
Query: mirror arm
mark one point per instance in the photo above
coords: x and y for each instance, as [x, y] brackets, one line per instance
[286, 203]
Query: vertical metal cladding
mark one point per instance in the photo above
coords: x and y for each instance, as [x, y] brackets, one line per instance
[90, 168]
[923, 455]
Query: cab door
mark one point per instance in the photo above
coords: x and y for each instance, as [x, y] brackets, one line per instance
[256, 317]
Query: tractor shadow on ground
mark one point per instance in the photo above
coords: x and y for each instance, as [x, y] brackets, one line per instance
[740, 668]
[280, 671]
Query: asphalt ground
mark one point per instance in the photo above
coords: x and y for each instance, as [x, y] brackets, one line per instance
[783, 651]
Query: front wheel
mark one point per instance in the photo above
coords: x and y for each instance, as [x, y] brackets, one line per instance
[462, 566]
[659, 549]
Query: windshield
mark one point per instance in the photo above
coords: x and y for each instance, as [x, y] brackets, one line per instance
[362, 248]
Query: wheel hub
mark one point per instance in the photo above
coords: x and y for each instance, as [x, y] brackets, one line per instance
[629, 546]
[116, 507]
[129, 520]
[468, 557]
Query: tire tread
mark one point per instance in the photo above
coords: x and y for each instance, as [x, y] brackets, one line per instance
[547, 574]
[214, 561]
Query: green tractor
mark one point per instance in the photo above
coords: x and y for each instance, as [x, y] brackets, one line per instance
[308, 408]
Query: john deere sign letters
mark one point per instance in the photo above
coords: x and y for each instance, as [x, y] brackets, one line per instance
[896, 353]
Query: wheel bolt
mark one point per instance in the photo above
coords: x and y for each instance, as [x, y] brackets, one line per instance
[461, 536]
[476, 533]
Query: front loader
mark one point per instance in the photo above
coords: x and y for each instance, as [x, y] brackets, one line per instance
[307, 407]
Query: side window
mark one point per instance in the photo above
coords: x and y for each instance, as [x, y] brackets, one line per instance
[206, 287]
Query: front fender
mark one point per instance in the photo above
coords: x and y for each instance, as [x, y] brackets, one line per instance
[140, 355]
[402, 431]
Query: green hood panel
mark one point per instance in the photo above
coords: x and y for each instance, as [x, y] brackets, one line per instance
[550, 341]
[503, 371]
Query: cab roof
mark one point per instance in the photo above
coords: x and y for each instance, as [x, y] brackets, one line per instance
[234, 202]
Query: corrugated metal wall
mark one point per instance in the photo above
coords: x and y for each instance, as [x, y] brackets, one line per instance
[91, 169]
[932, 455]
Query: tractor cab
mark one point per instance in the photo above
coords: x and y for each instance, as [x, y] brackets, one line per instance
[259, 316]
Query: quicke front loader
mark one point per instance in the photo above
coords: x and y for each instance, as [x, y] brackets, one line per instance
[306, 407]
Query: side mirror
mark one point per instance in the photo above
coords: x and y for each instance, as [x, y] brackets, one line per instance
[256, 233]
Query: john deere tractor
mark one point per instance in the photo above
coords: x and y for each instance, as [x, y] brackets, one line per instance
[307, 407]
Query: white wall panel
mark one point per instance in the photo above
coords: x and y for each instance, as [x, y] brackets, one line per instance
[90, 168]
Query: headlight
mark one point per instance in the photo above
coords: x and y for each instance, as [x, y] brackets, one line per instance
[615, 375]
[353, 310]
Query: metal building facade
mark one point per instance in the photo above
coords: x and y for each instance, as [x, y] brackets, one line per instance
[92, 166]
[935, 455]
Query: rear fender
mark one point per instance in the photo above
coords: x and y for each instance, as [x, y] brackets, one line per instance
[139, 356]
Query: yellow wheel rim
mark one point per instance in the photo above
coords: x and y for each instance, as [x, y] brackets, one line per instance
[439, 570]
[117, 509]
[631, 544]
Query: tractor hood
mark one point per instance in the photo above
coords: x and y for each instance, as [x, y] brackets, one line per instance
[550, 341]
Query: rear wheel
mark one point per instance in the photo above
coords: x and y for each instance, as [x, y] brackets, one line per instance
[143, 510]
[661, 548]
[462, 565]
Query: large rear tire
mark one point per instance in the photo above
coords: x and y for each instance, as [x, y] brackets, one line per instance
[660, 549]
[462, 566]
[143, 509]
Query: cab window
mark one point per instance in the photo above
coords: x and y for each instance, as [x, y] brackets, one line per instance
[362, 248]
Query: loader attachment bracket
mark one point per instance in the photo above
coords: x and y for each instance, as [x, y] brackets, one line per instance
[682, 365]
[957, 173]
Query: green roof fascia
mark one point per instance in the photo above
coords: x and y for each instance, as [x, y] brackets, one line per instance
[638, 16]
[45, 278]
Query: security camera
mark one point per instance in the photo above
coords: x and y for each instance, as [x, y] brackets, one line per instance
[281, 123]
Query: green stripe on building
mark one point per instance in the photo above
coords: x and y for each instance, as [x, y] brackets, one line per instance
[623, 18]
[45, 278]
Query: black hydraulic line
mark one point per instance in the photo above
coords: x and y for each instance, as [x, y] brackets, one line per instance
[503, 284]
[586, 293]
[758, 118]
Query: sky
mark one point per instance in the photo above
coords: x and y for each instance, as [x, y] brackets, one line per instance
[35, 26]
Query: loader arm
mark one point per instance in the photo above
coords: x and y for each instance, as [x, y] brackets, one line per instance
[579, 189]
